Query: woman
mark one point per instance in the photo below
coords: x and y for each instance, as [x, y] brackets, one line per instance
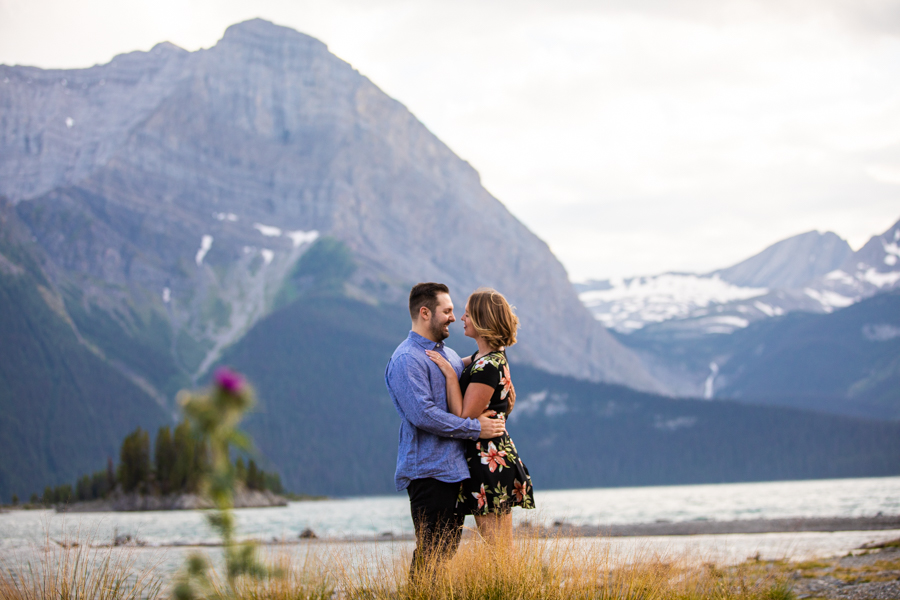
[499, 479]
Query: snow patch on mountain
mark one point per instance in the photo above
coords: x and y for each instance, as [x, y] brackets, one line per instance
[768, 310]
[302, 237]
[629, 304]
[205, 244]
[675, 424]
[881, 332]
[267, 230]
[880, 279]
[828, 300]
[812, 272]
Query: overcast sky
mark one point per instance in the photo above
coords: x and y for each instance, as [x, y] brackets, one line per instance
[663, 136]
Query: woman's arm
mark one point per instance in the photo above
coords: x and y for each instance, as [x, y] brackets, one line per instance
[454, 395]
[478, 395]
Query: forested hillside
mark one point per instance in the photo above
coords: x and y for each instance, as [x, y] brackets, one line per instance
[63, 409]
[845, 362]
[328, 425]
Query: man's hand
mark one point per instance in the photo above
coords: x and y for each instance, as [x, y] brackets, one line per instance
[491, 428]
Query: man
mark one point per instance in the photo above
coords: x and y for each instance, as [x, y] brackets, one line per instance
[431, 461]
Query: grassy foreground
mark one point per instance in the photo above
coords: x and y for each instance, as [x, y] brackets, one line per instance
[531, 568]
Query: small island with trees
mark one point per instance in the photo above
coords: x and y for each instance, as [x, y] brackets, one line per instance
[169, 478]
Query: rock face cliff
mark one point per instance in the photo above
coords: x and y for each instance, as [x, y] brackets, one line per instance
[181, 188]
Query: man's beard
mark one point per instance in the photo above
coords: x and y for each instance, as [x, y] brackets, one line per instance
[438, 332]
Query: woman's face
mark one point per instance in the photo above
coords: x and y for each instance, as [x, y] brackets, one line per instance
[468, 328]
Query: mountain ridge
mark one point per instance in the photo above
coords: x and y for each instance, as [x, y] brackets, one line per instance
[777, 267]
[327, 441]
[812, 271]
[234, 149]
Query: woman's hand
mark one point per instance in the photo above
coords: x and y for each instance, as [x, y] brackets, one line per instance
[442, 363]
[511, 398]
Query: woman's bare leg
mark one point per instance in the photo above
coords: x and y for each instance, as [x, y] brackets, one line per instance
[495, 529]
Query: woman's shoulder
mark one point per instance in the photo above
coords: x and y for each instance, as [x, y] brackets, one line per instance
[495, 359]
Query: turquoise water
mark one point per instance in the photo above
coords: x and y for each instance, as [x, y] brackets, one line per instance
[379, 516]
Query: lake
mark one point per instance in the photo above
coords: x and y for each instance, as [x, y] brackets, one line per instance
[372, 517]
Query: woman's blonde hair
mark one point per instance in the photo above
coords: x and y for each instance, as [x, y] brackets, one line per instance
[493, 317]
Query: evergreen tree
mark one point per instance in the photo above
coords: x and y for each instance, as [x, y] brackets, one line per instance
[34, 499]
[182, 477]
[83, 489]
[63, 493]
[253, 476]
[165, 459]
[201, 465]
[15, 500]
[100, 487]
[240, 471]
[110, 474]
[273, 483]
[134, 461]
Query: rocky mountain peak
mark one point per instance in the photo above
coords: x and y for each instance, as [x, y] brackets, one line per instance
[262, 33]
[872, 269]
[791, 263]
[167, 48]
[187, 186]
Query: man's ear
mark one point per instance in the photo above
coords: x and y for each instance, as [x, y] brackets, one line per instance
[424, 313]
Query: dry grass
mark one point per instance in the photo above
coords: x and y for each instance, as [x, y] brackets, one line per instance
[560, 568]
[70, 571]
[531, 568]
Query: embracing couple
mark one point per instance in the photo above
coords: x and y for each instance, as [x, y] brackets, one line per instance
[455, 457]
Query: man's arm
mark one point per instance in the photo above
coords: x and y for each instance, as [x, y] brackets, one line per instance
[407, 383]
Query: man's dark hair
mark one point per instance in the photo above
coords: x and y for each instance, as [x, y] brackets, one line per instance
[425, 294]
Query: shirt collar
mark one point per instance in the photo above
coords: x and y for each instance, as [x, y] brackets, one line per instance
[425, 342]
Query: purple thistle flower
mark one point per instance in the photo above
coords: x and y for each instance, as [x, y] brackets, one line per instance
[229, 381]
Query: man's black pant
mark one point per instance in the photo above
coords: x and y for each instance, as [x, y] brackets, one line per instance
[437, 522]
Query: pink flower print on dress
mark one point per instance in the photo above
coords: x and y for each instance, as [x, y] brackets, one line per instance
[506, 382]
[481, 497]
[493, 458]
[520, 490]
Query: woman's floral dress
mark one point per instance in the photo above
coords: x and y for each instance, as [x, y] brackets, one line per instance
[498, 479]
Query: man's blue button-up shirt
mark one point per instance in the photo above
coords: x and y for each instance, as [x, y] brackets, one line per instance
[430, 437]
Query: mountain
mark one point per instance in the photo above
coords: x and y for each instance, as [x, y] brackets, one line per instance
[261, 204]
[871, 270]
[63, 408]
[156, 208]
[328, 426]
[790, 264]
[580, 434]
[845, 362]
[173, 193]
[716, 334]
[326, 423]
[637, 302]
[812, 272]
